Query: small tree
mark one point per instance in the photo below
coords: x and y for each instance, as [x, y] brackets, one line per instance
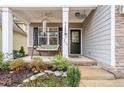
[21, 51]
[73, 76]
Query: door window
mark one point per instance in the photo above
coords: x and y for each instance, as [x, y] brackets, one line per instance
[75, 37]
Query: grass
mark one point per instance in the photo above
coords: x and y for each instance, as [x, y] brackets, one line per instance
[50, 81]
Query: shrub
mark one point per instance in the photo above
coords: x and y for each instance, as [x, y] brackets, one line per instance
[37, 64]
[16, 54]
[60, 62]
[73, 76]
[19, 53]
[3, 65]
[18, 65]
[1, 57]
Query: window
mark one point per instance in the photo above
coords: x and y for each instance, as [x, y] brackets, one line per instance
[50, 37]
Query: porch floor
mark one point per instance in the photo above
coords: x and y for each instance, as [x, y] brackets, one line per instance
[84, 61]
[81, 60]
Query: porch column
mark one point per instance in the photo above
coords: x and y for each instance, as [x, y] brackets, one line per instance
[7, 30]
[65, 23]
[28, 33]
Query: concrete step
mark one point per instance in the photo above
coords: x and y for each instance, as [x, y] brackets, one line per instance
[102, 83]
[83, 61]
[95, 73]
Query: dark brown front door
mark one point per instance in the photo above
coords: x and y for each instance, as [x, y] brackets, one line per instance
[75, 43]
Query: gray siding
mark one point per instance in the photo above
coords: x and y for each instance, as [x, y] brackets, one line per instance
[97, 34]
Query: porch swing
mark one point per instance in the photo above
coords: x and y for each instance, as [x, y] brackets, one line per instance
[45, 48]
[42, 33]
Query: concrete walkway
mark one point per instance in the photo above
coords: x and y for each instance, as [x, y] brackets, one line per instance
[93, 76]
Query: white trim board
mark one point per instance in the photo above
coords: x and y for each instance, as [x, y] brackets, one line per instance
[113, 35]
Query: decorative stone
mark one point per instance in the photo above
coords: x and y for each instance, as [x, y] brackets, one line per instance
[40, 74]
[33, 77]
[49, 72]
[26, 80]
[57, 73]
[35, 71]
[20, 85]
[11, 72]
[64, 74]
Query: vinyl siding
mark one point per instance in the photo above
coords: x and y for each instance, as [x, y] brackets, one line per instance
[97, 34]
[18, 40]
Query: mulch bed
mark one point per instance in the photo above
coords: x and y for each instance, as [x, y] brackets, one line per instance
[13, 79]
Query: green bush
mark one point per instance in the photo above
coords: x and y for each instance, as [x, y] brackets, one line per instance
[73, 76]
[19, 53]
[22, 51]
[60, 62]
[3, 65]
[1, 57]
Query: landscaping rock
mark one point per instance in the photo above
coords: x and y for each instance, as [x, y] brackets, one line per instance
[57, 73]
[26, 80]
[11, 72]
[40, 74]
[64, 74]
[20, 85]
[35, 71]
[49, 72]
[33, 77]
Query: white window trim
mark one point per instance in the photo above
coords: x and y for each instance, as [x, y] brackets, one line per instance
[48, 37]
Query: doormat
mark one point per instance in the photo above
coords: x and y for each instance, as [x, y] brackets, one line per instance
[75, 56]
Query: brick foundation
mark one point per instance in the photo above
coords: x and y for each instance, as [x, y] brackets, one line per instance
[44, 53]
[119, 38]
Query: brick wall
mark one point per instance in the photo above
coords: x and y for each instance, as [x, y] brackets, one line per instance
[119, 33]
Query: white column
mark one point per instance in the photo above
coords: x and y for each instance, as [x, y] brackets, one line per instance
[28, 32]
[30, 37]
[7, 30]
[65, 46]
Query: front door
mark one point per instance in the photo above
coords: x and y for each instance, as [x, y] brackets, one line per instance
[75, 42]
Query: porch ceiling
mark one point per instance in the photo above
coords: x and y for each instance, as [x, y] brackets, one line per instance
[53, 14]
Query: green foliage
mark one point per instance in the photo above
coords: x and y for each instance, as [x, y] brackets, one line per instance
[1, 57]
[60, 62]
[73, 76]
[22, 51]
[18, 64]
[3, 65]
[46, 81]
[19, 53]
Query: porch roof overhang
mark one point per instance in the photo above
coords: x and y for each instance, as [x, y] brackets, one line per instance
[54, 14]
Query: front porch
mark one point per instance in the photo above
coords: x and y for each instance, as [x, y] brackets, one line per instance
[80, 60]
